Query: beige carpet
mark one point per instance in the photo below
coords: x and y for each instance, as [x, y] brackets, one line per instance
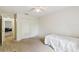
[25, 45]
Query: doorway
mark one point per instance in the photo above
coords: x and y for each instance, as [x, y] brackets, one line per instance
[9, 30]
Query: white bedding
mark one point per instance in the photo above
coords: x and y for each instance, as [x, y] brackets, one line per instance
[62, 43]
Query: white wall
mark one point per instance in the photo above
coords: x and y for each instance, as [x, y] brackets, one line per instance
[27, 26]
[64, 22]
[8, 24]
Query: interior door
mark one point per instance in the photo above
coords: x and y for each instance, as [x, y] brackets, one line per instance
[0, 30]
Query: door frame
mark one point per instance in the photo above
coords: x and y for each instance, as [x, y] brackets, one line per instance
[15, 27]
[0, 30]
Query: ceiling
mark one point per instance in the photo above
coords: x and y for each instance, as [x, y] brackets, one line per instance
[25, 9]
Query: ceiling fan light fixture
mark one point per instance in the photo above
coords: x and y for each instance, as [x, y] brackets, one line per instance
[38, 10]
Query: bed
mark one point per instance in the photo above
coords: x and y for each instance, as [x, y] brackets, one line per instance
[8, 31]
[62, 43]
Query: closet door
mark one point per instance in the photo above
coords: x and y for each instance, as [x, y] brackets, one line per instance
[0, 30]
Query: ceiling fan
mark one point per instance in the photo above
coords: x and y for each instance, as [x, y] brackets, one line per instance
[37, 9]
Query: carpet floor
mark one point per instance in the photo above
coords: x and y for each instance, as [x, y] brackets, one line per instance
[25, 45]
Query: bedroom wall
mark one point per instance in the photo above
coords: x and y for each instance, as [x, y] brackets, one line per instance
[8, 24]
[27, 26]
[65, 22]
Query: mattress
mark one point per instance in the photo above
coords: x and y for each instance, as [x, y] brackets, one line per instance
[62, 43]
